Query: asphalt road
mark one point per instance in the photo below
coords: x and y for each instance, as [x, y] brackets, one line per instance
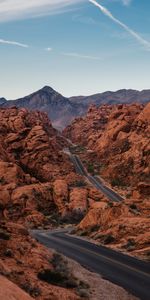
[110, 194]
[130, 273]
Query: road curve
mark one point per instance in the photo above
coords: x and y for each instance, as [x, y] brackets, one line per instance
[110, 194]
[128, 272]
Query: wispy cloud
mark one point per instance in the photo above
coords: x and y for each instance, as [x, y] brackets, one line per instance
[48, 49]
[19, 9]
[85, 20]
[126, 2]
[13, 43]
[134, 34]
[77, 55]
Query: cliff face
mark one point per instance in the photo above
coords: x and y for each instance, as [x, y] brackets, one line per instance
[118, 137]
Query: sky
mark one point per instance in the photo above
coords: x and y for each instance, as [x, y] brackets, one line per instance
[78, 47]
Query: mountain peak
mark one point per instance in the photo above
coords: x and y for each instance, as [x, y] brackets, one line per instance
[47, 89]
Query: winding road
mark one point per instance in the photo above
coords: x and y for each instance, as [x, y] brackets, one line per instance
[95, 181]
[128, 272]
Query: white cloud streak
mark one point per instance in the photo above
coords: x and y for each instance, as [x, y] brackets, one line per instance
[13, 43]
[77, 55]
[107, 13]
[21, 9]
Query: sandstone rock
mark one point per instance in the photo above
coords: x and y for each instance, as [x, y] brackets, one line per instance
[120, 141]
[99, 205]
[78, 200]
[144, 188]
[4, 197]
[31, 158]
[60, 194]
[9, 290]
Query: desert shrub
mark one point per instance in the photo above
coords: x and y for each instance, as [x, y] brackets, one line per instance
[32, 291]
[83, 293]
[90, 168]
[2, 180]
[78, 183]
[94, 228]
[62, 275]
[133, 206]
[130, 245]
[59, 278]
[82, 289]
[4, 235]
[117, 182]
[108, 239]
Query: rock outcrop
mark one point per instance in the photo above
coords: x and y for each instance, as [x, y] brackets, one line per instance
[21, 260]
[114, 143]
[9, 290]
[117, 142]
[31, 158]
[39, 189]
[123, 226]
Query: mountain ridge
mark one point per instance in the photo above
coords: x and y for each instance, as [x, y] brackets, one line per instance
[62, 110]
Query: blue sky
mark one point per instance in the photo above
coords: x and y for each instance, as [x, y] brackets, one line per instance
[73, 46]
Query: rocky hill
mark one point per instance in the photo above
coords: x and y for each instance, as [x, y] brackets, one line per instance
[33, 193]
[114, 144]
[119, 137]
[39, 189]
[35, 174]
[62, 110]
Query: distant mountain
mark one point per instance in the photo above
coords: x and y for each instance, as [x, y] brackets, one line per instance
[59, 109]
[121, 96]
[2, 101]
[62, 110]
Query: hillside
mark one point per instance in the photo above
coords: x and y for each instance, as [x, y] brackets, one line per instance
[62, 110]
[114, 144]
[40, 189]
[118, 137]
[34, 193]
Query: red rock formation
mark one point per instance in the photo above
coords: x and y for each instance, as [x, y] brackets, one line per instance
[37, 187]
[21, 260]
[9, 290]
[123, 226]
[115, 144]
[31, 158]
[119, 139]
